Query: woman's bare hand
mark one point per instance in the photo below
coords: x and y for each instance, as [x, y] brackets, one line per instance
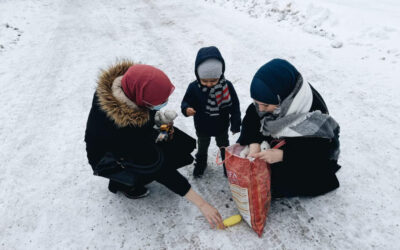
[253, 149]
[270, 155]
[212, 215]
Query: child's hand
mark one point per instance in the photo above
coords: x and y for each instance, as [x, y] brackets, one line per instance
[190, 112]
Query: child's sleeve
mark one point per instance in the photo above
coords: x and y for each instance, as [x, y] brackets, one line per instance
[236, 120]
[187, 100]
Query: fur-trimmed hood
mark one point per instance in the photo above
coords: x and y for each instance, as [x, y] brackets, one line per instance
[114, 102]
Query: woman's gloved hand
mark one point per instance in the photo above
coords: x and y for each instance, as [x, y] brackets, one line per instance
[164, 117]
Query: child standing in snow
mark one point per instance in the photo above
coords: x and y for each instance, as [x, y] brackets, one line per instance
[213, 102]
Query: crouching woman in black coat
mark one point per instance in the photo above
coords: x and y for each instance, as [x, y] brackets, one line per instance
[288, 108]
[121, 139]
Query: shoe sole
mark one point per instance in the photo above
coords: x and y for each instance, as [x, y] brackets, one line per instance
[138, 197]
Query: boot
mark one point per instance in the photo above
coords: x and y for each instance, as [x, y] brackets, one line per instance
[199, 166]
[129, 192]
[222, 150]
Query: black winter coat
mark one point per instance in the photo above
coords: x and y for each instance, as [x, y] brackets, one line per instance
[118, 126]
[306, 169]
[197, 99]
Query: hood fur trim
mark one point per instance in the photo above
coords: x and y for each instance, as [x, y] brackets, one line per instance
[114, 102]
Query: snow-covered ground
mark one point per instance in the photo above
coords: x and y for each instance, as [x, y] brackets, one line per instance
[51, 53]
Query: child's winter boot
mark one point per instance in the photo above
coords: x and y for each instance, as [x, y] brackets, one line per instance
[199, 166]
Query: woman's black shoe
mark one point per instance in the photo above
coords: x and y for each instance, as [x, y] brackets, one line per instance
[137, 192]
[130, 192]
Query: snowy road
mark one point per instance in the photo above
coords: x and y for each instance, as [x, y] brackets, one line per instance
[50, 56]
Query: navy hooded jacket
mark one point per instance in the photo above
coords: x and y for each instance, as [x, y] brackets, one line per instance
[197, 99]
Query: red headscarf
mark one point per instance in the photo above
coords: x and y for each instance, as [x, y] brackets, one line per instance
[146, 85]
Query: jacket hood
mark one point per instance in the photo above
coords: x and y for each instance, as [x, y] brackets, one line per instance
[112, 100]
[208, 53]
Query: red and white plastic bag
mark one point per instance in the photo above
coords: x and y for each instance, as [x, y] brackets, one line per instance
[250, 184]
